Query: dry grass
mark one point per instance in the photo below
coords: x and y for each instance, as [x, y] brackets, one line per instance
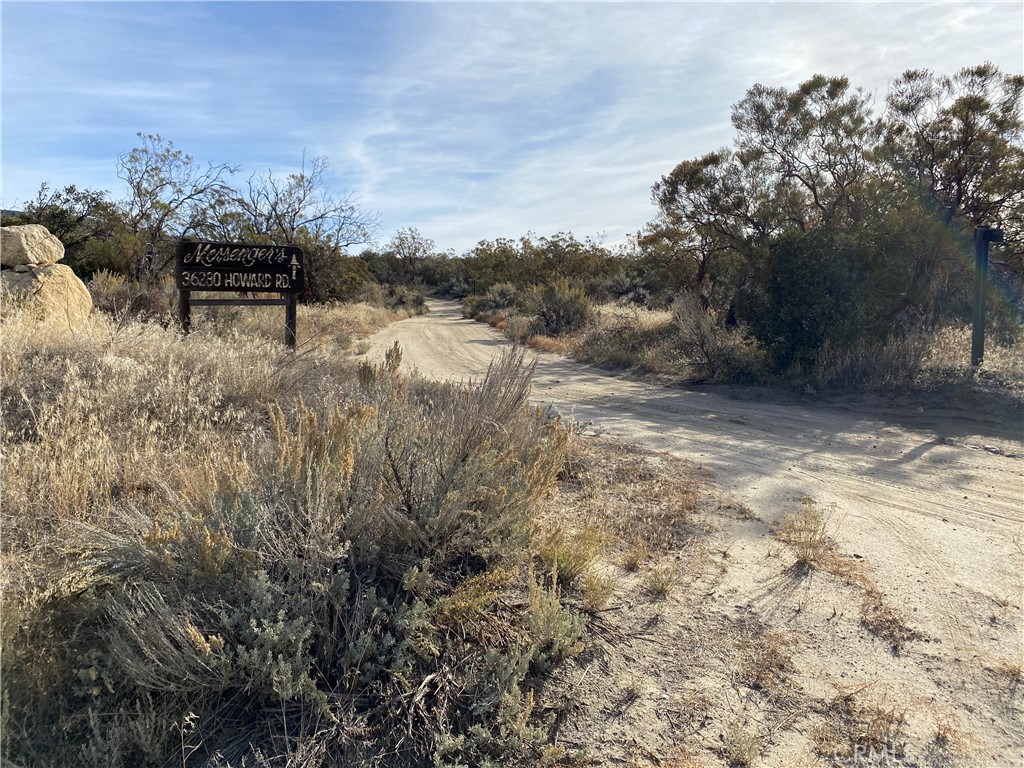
[758, 668]
[128, 411]
[881, 619]
[764, 659]
[319, 326]
[634, 337]
[890, 366]
[917, 360]
[636, 554]
[806, 531]
[569, 555]
[636, 315]
[597, 589]
[949, 745]
[1012, 672]
[687, 760]
[662, 503]
[949, 357]
[551, 344]
[660, 580]
[862, 721]
[740, 746]
[213, 543]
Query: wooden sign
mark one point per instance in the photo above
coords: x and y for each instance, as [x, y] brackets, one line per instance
[239, 268]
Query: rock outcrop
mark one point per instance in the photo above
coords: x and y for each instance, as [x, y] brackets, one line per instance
[50, 292]
[30, 245]
[33, 278]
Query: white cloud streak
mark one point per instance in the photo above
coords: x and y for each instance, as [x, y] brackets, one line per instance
[469, 121]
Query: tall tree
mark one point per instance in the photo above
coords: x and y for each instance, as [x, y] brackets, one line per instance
[957, 141]
[169, 195]
[301, 206]
[408, 246]
[714, 213]
[815, 141]
[299, 209]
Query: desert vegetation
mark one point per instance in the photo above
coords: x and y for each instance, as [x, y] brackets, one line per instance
[220, 553]
[829, 247]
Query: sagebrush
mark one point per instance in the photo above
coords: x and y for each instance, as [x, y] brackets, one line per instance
[219, 553]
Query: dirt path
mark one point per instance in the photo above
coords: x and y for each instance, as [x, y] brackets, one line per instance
[939, 521]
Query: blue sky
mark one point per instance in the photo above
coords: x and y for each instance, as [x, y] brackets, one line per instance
[468, 121]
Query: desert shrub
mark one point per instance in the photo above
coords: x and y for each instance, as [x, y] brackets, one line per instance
[504, 295]
[520, 329]
[714, 352]
[621, 338]
[399, 297]
[472, 306]
[121, 297]
[890, 365]
[339, 278]
[456, 288]
[267, 558]
[611, 346]
[688, 342]
[372, 293]
[559, 308]
[623, 287]
[497, 319]
[500, 296]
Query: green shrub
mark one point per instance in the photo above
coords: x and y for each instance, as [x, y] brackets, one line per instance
[400, 297]
[559, 308]
[498, 297]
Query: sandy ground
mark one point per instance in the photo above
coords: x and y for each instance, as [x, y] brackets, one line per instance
[933, 508]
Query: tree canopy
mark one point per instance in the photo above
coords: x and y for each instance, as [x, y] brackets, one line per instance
[831, 219]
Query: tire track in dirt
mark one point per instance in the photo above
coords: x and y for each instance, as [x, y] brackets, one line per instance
[935, 519]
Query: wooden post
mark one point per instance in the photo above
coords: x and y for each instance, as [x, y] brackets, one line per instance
[291, 322]
[185, 311]
[239, 268]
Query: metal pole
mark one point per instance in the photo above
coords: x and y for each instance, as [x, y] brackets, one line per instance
[982, 237]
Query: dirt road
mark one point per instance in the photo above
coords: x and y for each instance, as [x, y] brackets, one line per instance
[925, 509]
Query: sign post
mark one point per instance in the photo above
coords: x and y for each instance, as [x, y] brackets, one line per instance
[242, 269]
[982, 237]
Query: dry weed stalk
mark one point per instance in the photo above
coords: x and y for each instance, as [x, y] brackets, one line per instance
[806, 531]
[863, 718]
[765, 659]
[740, 745]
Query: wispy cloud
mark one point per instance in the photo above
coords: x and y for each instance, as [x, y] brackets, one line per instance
[470, 121]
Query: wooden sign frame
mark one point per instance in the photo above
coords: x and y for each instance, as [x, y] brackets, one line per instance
[202, 266]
